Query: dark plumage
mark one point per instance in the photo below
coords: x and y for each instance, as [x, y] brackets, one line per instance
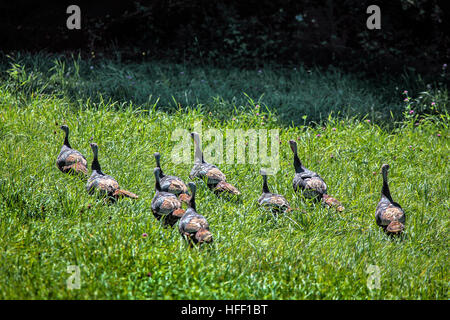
[276, 202]
[165, 205]
[215, 179]
[103, 183]
[312, 185]
[389, 215]
[171, 184]
[193, 226]
[70, 160]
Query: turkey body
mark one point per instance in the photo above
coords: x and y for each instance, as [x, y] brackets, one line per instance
[273, 201]
[70, 160]
[210, 172]
[165, 205]
[388, 214]
[215, 179]
[172, 184]
[105, 184]
[311, 183]
[193, 226]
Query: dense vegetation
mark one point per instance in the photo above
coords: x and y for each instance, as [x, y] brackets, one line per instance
[298, 95]
[48, 221]
[413, 34]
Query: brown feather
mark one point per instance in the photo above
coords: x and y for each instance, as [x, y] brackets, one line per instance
[184, 198]
[176, 185]
[178, 213]
[195, 224]
[203, 235]
[332, 202]
[215, 174]
[392, 213]
[223, 186]
[315, 184]
[394, 228]
[77, 167]
[73, 157]
[107, 184]
[124, 193]
[277, 200]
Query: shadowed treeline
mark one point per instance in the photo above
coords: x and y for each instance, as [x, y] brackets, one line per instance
[413, 34]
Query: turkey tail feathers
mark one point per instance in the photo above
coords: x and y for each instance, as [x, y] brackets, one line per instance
[395, 228]
[332, 202]
[124, 193]
[226, 187]
[203, 236]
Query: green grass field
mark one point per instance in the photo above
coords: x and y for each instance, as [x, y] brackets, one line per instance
[49, 222]
[292, 91]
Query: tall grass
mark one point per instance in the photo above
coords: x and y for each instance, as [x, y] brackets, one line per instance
[48, 221]
[292, 92]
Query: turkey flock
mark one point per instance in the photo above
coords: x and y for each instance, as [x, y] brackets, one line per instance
[171, 192]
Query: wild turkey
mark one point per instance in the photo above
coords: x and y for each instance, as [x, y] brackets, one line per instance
[276, 202]
[103, 183]
[165, 205]
[389, 215]
[70, 160]
[171, 184]
[312, 185]
[193, 226]
[215, 179]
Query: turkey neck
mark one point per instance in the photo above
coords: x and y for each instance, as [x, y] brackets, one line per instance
[198, 154]
[161, 174]
[95, 164]
[265, 186]
[297, 163]
[192, 201]
[385, 190]
[66, 139]
[157, 184]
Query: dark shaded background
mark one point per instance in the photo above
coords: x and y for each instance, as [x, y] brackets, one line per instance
[247, 34]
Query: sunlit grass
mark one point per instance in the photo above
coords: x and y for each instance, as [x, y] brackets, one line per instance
[48, 221]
